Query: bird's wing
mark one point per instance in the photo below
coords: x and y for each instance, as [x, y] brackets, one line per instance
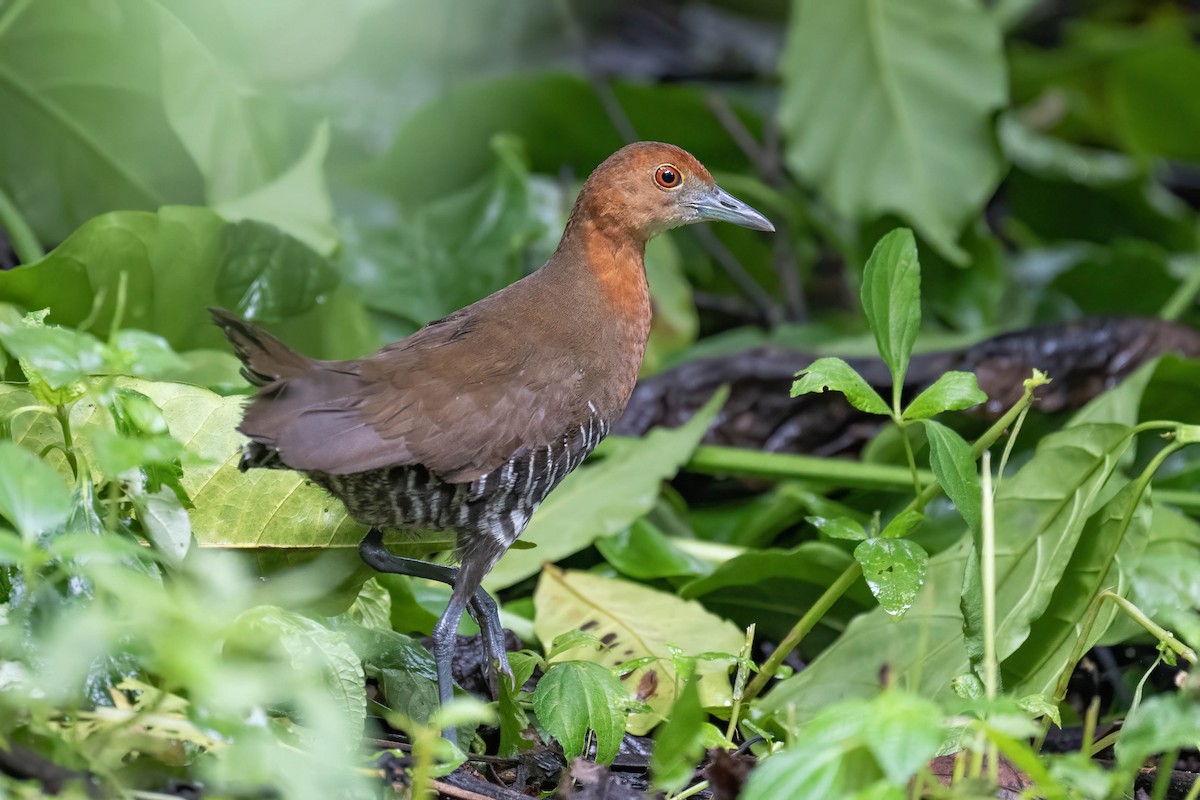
[457, 400]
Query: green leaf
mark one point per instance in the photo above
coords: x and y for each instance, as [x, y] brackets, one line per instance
[310, 648]
[901, 524]
[772, 588]
[891, 299]
[33, 498]
[1111, 543]
[854, 749]
[570, 640]
[58, 357]
[179, 260]
[679, 743]
[424, 263]
[166, 523]
[514, 722]
[635, 622]
[953, 464]
[1040, 514]
[372, 609]
[836, 374]
[268, 274]
[895, 571]
[82, 87]
[838, 528]
[951, 392]
[1160, 724]
[260, 508]
[604, 498]
[872, 118]
[577, 696]
[644, 552]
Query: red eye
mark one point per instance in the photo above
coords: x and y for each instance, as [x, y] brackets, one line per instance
[667, 176]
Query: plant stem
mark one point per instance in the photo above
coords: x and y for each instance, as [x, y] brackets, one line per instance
[987, 564]
[739, 684]
[1162, 780]
[802, 627]
[1184, 295]
[716, 460]
[24, 242]
[1165, 636]
[691, 790]
[912, 459]
[63, 415]
[854, 571]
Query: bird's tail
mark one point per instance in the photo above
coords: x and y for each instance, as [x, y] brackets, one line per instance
[264, 358]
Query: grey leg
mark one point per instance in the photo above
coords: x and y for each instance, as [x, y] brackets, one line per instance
[483, 608]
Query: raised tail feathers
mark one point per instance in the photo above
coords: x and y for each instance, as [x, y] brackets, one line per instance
[264, 358]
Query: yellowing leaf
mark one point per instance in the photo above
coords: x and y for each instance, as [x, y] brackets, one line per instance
[633, 622]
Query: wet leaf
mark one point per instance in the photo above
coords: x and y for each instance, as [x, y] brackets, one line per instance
[891, 299]
[895, 571]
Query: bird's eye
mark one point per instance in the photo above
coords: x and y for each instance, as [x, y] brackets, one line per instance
[668, 177]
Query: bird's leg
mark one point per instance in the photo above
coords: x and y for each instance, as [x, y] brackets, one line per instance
[483, 607]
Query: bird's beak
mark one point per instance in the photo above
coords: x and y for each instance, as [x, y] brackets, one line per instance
[718, 204]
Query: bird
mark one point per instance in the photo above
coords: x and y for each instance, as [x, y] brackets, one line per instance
[470, 422]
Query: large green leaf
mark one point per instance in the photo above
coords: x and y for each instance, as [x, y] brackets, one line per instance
[260, 508]
[604, 498]
[887, 108]
[1111, 544]
[121, 105]
[772, 588]
[181, 259]
[1040, 513]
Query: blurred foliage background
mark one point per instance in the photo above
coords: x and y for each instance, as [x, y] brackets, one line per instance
[346, 172]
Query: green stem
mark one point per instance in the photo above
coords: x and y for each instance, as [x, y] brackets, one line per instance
[24, 242]
[739, 684]
[801, 629]
[1162, 634]
[830, 596]
[715, 460]
[1184, 295]
[691, 790]
[63, 415]
[987, 563]
[1162, 780]
[912, 459]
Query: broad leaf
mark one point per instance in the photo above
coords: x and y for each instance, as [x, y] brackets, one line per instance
[951, 392]
[181, 259]
[1040, 514]
[887, 108]
[633, 622]
[772, 588]
[834, 373]
[644, 552]
[604, 498]
[1159, 724]
[1111, 543]
[838, 528]
[575, 697]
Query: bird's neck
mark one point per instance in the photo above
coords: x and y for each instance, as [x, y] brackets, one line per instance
[613, 312]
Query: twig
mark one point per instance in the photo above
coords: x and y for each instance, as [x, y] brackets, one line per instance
[767, 163]
[455, 792]
[628, 133]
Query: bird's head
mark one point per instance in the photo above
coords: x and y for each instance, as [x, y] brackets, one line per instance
[648, 187]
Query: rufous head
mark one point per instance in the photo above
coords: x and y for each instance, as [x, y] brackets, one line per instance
[648, 187]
